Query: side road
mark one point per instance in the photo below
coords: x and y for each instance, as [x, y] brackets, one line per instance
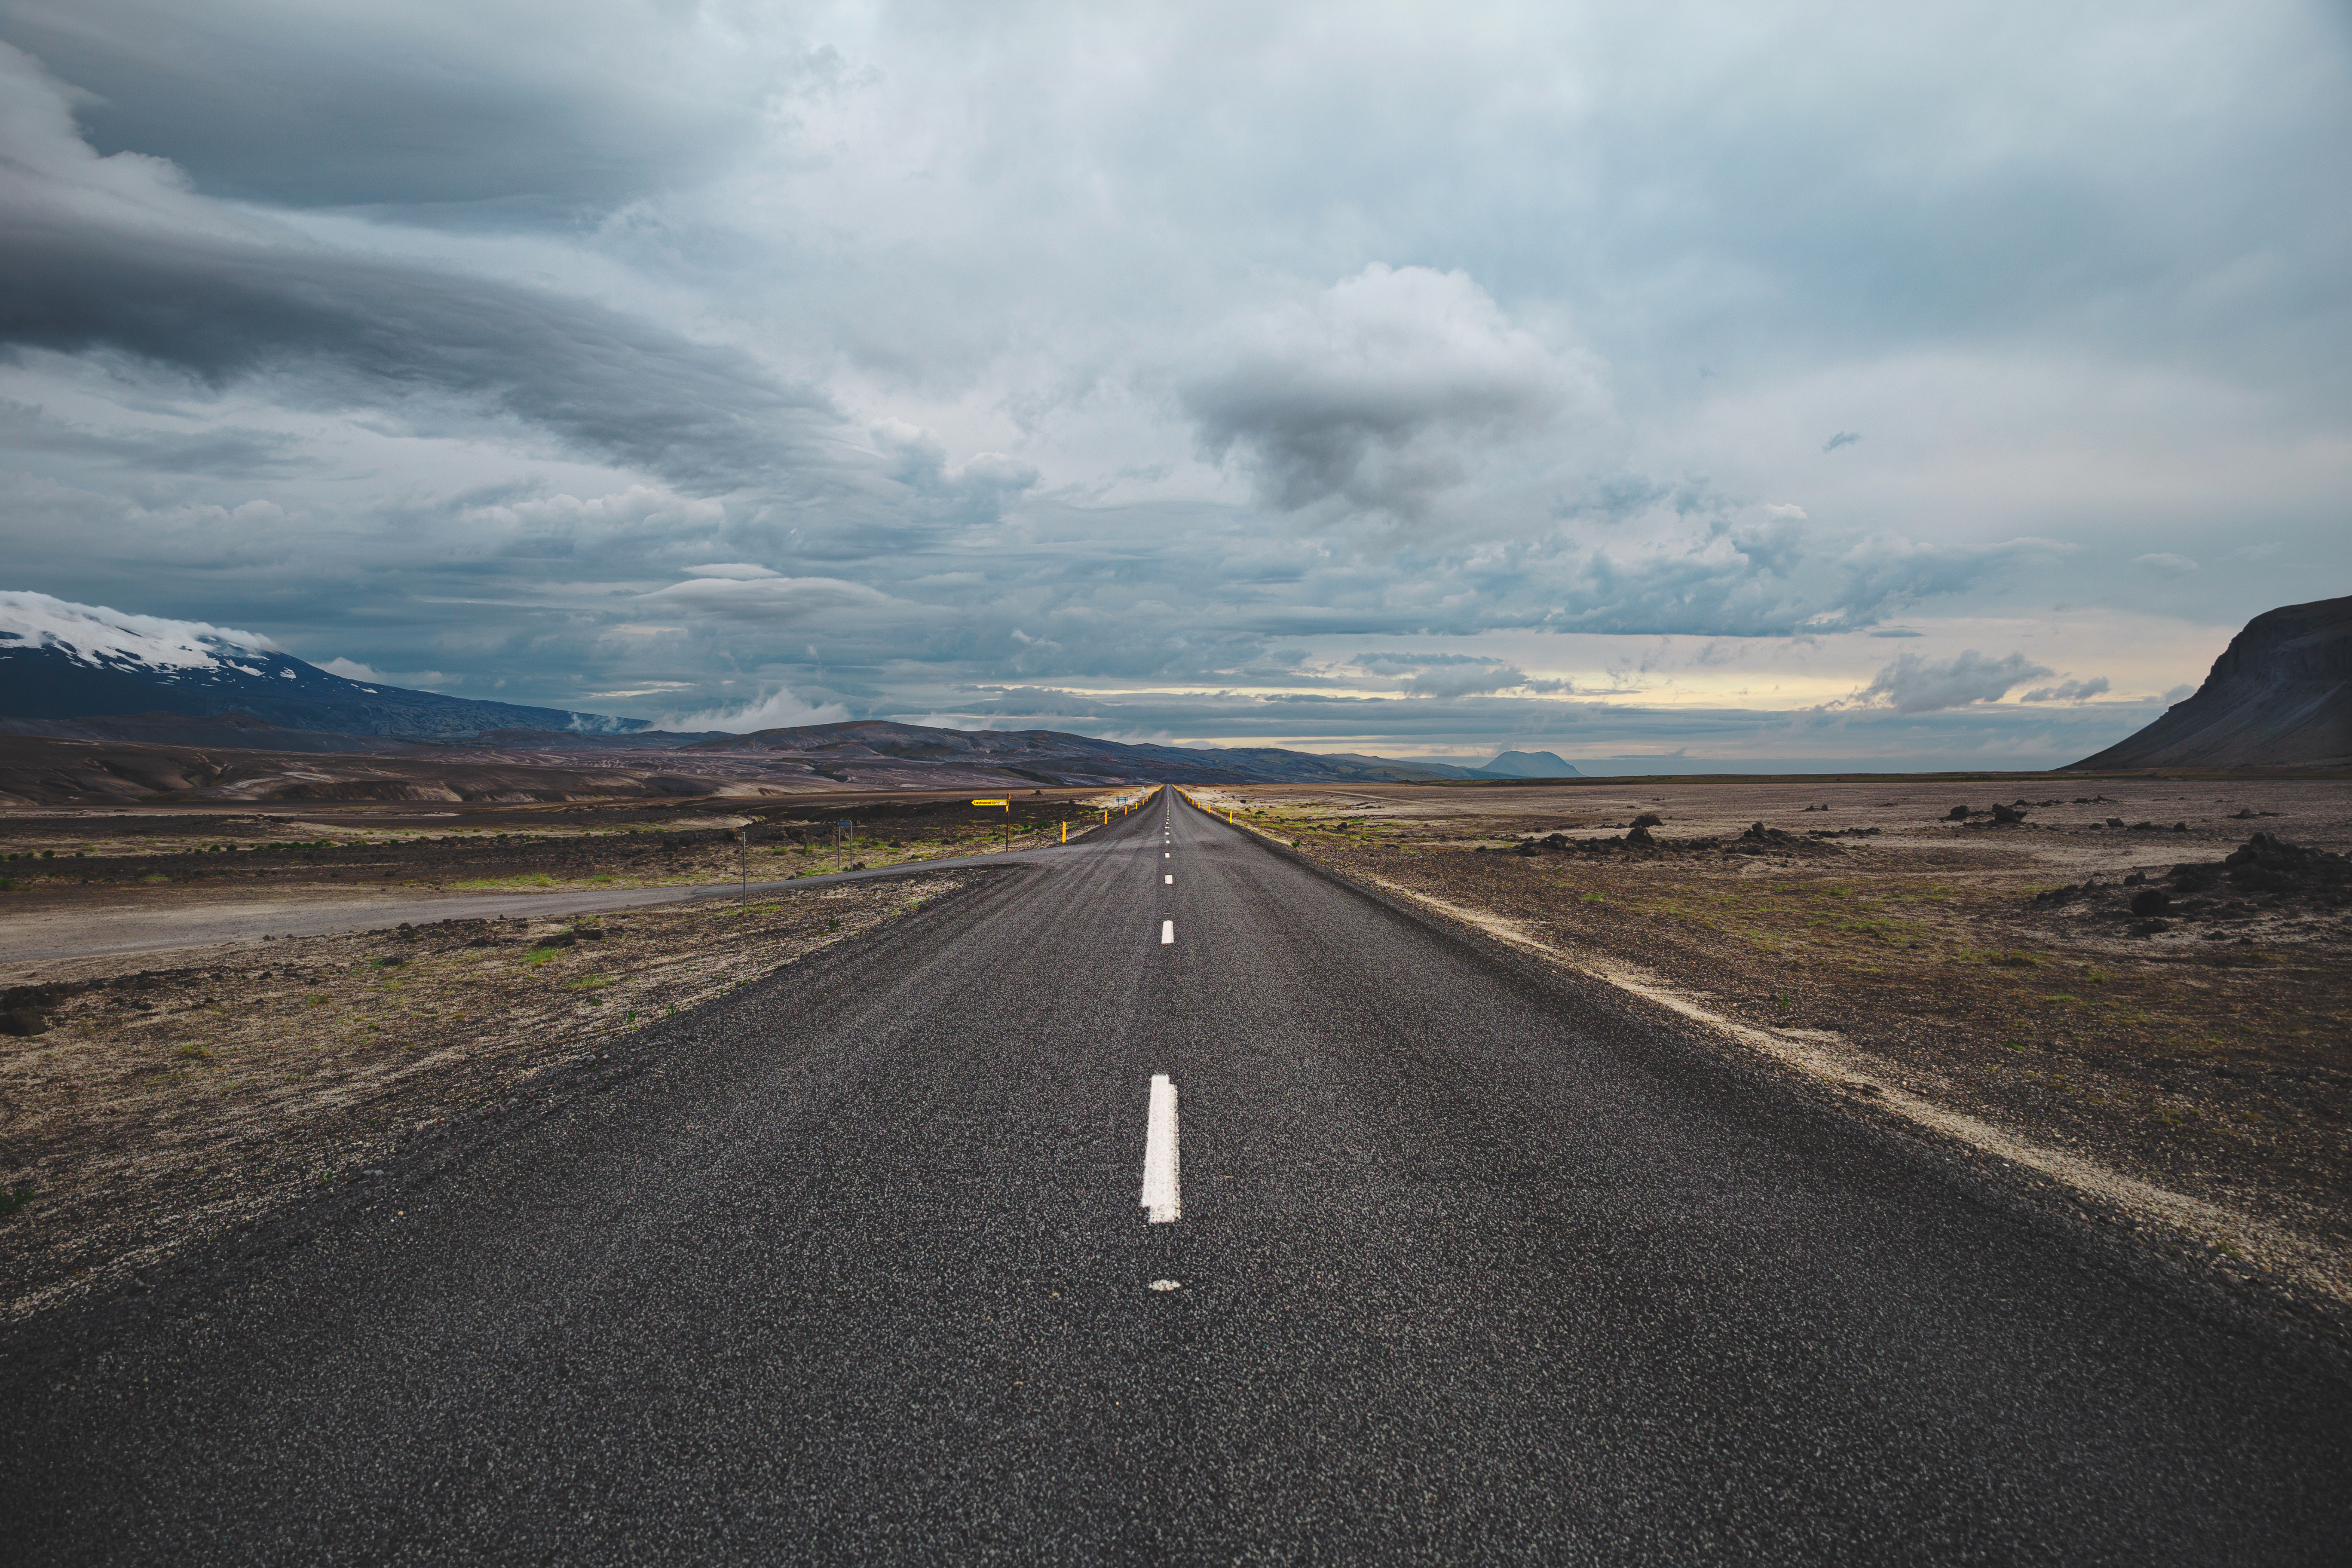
[61, 936]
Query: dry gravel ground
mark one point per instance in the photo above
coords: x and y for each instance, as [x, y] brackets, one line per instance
[163, 1105]
[2186, 1070]
[97, 859]
[146, 1101]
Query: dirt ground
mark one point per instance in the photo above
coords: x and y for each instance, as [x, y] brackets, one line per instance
[148, 1102]
[2189, 1058]
[162, 1105]
[93, 858]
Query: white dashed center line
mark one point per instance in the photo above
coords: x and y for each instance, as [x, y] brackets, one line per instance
[1170, 881]
[1167, 933]
[1162, 1191]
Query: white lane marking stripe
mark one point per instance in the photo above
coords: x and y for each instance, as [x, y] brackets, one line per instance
[1169, 880]
[1162, 1191]
[1167, 933]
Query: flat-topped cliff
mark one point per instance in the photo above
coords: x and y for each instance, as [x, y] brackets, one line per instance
[2279, 696]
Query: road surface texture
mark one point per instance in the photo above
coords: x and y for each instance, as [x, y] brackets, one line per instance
[1469, 1265]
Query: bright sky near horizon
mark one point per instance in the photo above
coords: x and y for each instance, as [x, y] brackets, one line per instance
[1743, 383]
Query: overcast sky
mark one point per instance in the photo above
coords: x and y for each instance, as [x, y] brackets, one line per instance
[1930, 384]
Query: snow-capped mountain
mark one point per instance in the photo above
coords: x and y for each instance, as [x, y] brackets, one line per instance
[63, 661]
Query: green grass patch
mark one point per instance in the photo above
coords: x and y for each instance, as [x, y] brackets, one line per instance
[489, 884]
[16, 1197]
[537, 956]
[587, 983]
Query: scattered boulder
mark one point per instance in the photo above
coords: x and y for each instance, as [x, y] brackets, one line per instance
[1648, 819]
[2266, 876]
[23, 1021]
[2003, 816]
[2267, 863]
[1957, 813]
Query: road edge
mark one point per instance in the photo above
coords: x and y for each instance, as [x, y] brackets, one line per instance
[2285, 1313]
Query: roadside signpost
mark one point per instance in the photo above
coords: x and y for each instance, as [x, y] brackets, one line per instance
[1007, 804]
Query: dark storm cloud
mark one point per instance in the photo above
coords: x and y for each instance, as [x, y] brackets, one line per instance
[704, 417]
[113, 254]
[1377, 393]
[423, 104]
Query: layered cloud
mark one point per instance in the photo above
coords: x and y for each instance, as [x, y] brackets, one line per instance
[117, 254]
[862, 360]
[768, 600]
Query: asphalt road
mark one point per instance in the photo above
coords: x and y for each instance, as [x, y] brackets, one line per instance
[1470, 1266]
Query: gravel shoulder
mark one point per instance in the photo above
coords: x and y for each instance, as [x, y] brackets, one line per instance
[2188, 1067]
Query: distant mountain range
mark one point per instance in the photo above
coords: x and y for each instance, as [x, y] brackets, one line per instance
[2279, 696]
[865, 753]
[61, 660]
[76, 673]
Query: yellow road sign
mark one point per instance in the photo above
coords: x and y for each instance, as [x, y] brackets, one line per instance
[1005, 804]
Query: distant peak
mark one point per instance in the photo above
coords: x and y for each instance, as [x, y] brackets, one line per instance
[1531, 766]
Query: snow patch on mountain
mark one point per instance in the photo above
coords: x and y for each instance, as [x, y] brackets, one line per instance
[98, 636]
